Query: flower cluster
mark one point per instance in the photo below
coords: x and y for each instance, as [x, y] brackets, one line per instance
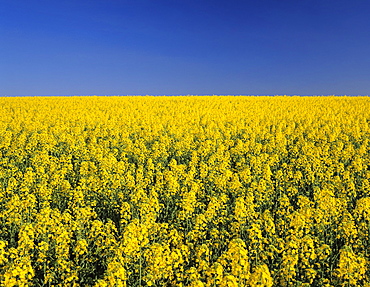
[185, 191]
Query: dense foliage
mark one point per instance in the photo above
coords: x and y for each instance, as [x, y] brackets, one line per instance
[185, 191]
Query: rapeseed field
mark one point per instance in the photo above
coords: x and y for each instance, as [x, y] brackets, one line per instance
[185, 191]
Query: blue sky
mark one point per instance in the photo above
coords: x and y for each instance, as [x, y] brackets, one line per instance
[108, 47]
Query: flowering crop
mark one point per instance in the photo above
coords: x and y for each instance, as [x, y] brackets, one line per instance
[185, 191]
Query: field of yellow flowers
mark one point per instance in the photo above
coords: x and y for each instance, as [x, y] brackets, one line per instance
[185, 191]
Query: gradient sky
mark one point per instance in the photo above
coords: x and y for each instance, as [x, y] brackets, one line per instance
[107, 47]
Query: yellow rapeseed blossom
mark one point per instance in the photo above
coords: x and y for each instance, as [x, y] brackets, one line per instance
[185, 191]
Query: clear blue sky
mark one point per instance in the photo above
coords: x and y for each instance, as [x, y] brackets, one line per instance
[78, 47]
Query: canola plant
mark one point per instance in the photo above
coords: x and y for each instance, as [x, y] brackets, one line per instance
[185, 191]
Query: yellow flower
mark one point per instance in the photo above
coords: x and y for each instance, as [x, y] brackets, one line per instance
[261, 277]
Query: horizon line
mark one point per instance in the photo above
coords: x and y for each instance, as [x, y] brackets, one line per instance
[193, 95]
